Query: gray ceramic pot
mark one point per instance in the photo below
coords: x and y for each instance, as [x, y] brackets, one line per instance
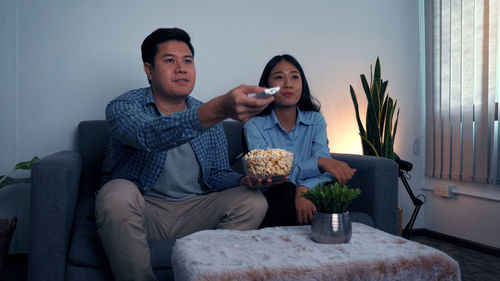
[331, 228]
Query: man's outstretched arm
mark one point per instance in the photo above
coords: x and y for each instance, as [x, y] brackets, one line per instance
[235, 104]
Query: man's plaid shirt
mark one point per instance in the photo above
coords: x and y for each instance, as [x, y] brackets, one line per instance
[140, 137]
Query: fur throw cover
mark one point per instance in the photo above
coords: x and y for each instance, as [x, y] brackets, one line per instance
[288, 253]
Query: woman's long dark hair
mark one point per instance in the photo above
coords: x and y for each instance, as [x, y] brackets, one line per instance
[307, 102]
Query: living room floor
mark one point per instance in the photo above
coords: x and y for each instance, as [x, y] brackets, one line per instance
[474, 265]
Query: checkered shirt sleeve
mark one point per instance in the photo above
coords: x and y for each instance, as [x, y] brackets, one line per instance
[140, 137]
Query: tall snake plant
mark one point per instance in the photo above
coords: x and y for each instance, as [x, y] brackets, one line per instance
[378, 138]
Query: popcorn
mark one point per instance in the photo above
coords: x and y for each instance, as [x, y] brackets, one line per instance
[272, 162]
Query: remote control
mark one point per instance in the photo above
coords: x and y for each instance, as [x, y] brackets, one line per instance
[266, 93]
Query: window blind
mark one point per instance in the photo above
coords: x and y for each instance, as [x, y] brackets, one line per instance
[461, 90]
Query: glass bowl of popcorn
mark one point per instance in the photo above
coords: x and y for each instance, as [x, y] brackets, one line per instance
[272, 162]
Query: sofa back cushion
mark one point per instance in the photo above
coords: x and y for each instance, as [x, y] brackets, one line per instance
[233, 130]
[93, 140]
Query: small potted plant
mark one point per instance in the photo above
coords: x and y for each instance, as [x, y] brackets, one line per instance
[8, 226]
[331, 223]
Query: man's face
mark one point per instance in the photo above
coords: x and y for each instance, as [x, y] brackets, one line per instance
[173, 74]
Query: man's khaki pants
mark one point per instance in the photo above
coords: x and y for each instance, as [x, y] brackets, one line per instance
[127, 220]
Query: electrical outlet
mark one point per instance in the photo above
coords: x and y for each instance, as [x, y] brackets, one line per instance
[416, 146]
[444, 190]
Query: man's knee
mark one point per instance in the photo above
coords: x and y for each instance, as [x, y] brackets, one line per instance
[253, 203]
[117, 199]
[257, 201]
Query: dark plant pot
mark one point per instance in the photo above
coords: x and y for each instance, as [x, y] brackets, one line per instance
[331, 228]
[7, 228]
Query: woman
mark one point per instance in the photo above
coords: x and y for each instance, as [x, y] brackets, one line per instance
[293, 122]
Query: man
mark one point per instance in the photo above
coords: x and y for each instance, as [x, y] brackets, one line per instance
[170, 168]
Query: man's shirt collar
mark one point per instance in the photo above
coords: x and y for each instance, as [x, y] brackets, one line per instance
[150, 99]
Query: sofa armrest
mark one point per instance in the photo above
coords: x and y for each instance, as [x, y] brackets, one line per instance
[377, 177]
[54, 192]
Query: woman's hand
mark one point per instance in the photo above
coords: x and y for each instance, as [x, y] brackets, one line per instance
[259, 182]
[305, 208]
[339, 169]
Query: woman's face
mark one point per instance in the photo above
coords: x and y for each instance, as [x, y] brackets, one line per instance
[287, 77]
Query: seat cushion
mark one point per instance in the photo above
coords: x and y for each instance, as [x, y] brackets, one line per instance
[86, 249]
[363, 218]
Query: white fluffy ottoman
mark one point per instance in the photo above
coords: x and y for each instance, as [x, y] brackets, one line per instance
[288, 253]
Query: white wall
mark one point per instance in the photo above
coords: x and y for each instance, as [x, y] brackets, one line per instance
[14, 199]
[65, 60]
[468, 217]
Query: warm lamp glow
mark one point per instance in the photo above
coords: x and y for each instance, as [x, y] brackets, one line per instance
[351, 145]
[343, 132]
[342, 129]
[344, 140]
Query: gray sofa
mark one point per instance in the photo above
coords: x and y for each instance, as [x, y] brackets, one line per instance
[63, 239]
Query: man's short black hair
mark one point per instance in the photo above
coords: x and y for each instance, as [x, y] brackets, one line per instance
[149, 47]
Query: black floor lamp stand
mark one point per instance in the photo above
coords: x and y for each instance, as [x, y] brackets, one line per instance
[405, 166]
